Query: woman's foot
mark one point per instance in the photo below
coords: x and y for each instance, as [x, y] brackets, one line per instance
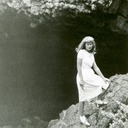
[84, 121]
[100, 102]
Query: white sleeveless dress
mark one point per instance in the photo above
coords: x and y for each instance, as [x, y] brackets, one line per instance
[93, 82]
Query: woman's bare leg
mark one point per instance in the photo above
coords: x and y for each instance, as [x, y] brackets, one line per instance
[81, 108]
[81, 113]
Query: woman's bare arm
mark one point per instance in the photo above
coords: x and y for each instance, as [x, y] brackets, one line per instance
[79, 65]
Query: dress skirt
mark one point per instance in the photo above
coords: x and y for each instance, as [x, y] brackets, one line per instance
[92, 87]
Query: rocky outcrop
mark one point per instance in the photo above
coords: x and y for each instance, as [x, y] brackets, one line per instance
[103, 14]
[120, 9]
[112, 115]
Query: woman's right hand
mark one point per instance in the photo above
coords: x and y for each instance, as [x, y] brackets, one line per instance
[82, 84]
[106, 80]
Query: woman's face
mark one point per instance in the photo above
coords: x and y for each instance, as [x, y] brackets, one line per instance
[88, 46]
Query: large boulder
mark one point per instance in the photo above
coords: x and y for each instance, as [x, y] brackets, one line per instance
[112, 115]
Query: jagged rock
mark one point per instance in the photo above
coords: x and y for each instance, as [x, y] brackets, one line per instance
[112, 115]
[120, 8]
[115, 6]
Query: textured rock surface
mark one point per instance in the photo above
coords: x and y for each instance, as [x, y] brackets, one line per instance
[103, 14]
[112, 115]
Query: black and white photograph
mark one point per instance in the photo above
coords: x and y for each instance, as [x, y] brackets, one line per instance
[63, 63]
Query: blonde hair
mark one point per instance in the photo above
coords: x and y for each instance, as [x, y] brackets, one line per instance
[85, 40]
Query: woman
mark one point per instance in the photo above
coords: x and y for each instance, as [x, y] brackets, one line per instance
[89, 84]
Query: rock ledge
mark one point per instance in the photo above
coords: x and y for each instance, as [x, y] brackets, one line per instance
[112, 115]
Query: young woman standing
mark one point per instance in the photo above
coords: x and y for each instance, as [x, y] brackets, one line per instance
[90, 80]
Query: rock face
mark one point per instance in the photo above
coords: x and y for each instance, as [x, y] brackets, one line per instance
[120, 8]
[103, 14]
[112, 115]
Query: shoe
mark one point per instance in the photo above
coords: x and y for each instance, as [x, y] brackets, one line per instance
[84, 121]
[100, 102]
